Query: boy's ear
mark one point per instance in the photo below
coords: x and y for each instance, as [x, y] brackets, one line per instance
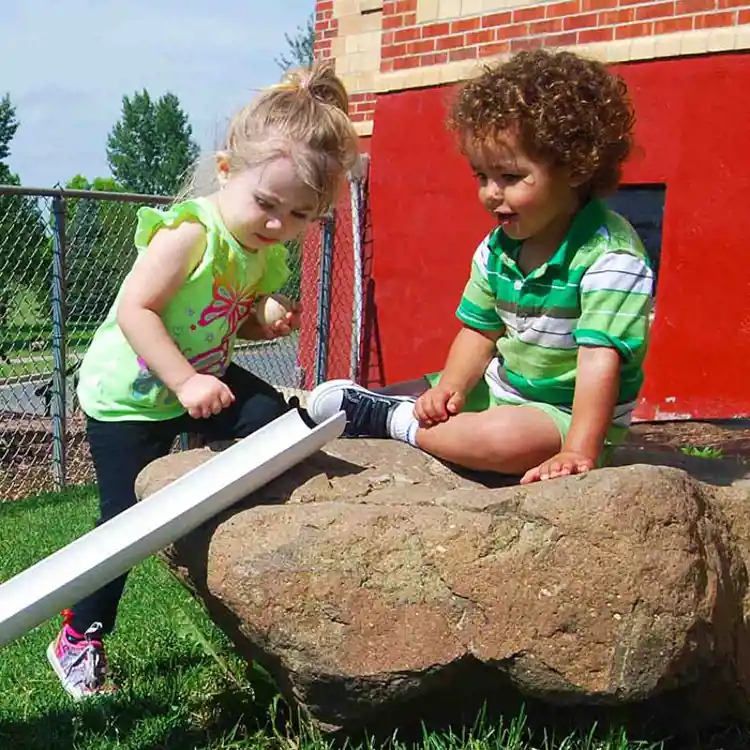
[222, 167]
[577, 179]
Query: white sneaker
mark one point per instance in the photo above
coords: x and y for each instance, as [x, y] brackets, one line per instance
[367, 413]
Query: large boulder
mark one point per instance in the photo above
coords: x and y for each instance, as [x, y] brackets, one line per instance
[371, 578]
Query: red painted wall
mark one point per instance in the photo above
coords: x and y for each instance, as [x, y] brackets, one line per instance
[693, 134]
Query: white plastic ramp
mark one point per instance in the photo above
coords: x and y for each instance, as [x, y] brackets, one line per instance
[68, 575]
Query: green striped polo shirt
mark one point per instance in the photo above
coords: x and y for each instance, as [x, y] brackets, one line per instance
[596, 290]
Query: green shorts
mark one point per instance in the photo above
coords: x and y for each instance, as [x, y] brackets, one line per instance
[481, 399]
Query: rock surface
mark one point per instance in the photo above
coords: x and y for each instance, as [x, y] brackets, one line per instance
[371, 578]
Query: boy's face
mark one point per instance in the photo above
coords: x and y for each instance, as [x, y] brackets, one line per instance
[528, 198]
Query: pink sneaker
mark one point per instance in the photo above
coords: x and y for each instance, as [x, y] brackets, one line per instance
[81, 665]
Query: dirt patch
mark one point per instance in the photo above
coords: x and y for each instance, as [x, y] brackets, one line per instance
[27, 468]
[26, 458]
[732, 439]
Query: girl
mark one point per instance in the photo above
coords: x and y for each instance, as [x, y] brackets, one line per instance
[160, 364]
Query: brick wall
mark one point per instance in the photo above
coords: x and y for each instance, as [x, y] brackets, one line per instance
[388, 45]
[351, 32]
[326, 27]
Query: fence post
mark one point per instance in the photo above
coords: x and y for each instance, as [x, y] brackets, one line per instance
[357, 179]
[59, 386]
[328, 226]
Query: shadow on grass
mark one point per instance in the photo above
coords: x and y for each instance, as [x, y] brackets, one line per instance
[520, 726]
[235, 716]
[232, 714]
[648, 724]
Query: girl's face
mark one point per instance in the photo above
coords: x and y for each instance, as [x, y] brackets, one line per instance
[264, 205]
[529, 199]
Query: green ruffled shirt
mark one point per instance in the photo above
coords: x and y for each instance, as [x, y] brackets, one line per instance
[202, 318]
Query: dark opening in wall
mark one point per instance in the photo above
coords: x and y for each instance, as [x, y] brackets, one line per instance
[643, 207]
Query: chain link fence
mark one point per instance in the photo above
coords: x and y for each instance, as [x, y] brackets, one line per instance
[63, 257]
[333, 290]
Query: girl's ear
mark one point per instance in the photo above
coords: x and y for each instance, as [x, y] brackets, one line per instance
[222, 168]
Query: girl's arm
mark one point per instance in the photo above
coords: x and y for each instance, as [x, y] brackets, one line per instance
[252, 330]
[169, 259]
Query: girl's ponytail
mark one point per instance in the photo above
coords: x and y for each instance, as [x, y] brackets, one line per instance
[320, 82]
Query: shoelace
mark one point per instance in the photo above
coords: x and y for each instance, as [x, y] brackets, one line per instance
[368, 415]
[92, 669]
[93, 673]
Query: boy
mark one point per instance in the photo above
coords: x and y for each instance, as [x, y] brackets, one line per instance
[555, 313]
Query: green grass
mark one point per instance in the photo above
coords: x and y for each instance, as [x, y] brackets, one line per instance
[40, 365]
[702, 451]
[19, 337]
[36, 364]
[28, 306]
[39, 362]
[182, 686]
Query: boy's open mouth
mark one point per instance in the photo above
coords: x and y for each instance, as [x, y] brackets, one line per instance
[503, 219]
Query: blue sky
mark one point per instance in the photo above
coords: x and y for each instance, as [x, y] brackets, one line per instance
[67, 63]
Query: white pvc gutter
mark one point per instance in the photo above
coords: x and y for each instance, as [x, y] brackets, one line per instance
[87, 564]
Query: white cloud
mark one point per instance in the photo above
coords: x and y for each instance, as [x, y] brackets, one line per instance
[67, 66]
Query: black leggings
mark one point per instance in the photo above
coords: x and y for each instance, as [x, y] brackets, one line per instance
[121, 450]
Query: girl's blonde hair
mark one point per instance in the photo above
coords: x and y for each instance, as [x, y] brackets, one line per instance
[304, 117]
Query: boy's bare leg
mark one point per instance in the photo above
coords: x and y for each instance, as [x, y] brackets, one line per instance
[506, 439]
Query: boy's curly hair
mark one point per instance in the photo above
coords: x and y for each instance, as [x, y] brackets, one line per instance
[568, 111]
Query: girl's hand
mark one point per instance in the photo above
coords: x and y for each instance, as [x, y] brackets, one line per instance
[204, 395]
[438, 405]
[290, 322]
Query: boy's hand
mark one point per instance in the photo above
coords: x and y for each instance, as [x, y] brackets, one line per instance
[563, 464]
[204, 395]
[290, 322]
[438, 405]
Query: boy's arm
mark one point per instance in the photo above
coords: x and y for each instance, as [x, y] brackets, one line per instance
[468, 358]
[171, 256]
[475, 344]
[597, 385]
[616, 300]
[472, 348]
